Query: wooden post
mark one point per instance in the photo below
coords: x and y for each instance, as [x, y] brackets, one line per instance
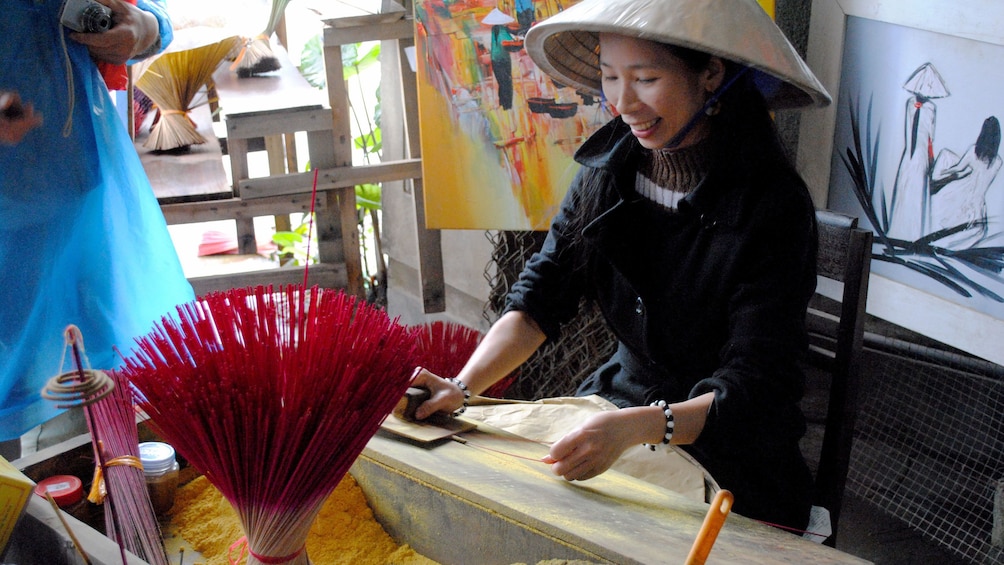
[345, 199]
[237, 150]
[430, 251]
[379, 26]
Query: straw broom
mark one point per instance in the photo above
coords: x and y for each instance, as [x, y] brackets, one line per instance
[172, 81]
[272, 396]
[256, 56]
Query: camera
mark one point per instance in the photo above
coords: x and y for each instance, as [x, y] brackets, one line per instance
[86, 16]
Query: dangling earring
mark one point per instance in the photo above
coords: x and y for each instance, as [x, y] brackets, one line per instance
[714, 108]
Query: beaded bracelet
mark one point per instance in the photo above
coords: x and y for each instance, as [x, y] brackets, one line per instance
[467, 395]
[669, 423]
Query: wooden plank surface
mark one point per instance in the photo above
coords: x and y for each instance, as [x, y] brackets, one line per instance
[321, 274]
[612, 518]
[193, 175]
[499, 504]
[265, 123]
[239, 209]
[329, 178]
[345, 35]
[426, 431]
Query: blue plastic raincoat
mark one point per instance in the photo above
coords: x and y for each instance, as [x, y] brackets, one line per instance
[82, 238]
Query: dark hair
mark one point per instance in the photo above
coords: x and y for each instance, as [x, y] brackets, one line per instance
[694, 59]
[989, 140]
[743, 134]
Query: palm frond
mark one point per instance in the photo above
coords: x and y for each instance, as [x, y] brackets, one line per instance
[963, 279]
[862, 166]
[925, 269]
[989, 260]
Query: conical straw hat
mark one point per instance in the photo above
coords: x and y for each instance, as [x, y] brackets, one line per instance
[566, 45]
[926, 81]
[497, 18]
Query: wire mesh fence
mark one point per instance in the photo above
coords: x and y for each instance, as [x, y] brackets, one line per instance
[929, 444]
[557, 368]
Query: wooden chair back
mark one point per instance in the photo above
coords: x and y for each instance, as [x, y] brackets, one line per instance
[836, 342]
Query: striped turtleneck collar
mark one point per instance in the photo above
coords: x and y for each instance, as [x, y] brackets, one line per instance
[667, 175]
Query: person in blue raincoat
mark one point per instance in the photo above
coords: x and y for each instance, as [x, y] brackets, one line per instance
[82, 238]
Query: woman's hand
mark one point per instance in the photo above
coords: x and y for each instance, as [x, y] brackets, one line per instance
[133, 32]
[16, 118]
[445, 396]
[593, 447]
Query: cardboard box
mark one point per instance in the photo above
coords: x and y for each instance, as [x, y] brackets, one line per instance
[15, 488]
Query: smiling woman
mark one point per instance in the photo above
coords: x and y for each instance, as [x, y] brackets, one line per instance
[692, 231]
[657, 96]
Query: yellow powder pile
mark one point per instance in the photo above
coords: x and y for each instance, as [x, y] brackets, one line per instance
[344, 532]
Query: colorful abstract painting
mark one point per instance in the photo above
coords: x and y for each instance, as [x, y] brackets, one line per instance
[498, 135]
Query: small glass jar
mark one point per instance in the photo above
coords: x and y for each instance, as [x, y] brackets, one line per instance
[161, 469]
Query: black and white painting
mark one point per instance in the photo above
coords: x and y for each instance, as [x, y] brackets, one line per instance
[917, 157]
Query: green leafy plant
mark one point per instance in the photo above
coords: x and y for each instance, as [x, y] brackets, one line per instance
[291, 246]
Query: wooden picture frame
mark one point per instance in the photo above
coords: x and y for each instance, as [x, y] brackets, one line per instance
[956, 324]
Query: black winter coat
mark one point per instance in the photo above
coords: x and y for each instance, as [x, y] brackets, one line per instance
[709, 298]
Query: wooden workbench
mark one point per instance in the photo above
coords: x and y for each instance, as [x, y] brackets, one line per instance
[463, 503]
[469, 503]
[204, 177]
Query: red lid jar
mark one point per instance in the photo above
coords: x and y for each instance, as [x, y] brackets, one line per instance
[66, 490]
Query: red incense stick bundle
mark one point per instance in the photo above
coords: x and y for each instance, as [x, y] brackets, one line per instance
[272, 396]
[444, 348]
[114, 422]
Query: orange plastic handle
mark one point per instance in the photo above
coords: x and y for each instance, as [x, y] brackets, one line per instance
[713, 522]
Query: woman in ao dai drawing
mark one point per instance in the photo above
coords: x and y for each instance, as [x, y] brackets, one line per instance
[959, 186]
[908, 206]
